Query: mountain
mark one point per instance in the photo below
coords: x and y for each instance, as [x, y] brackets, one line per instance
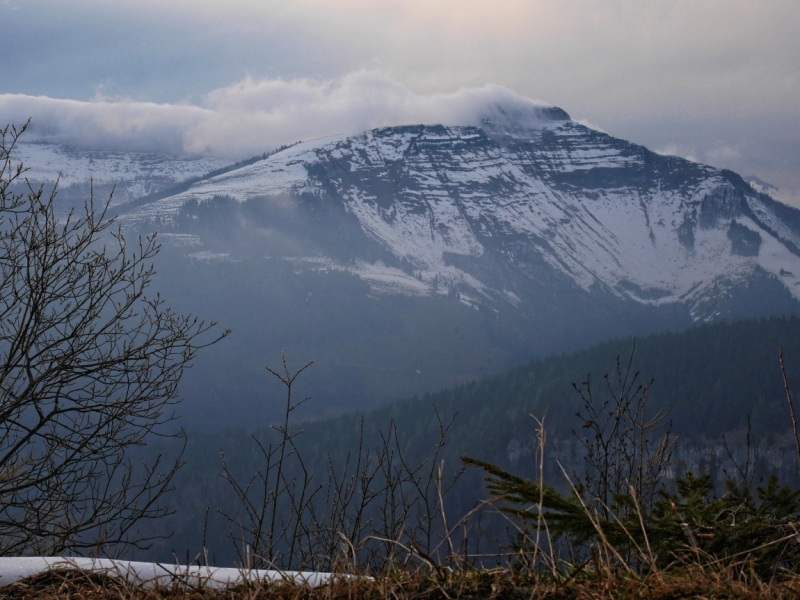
[407, 259]
[761, 186]
[490, 212]
[786, 195]
[131, 175]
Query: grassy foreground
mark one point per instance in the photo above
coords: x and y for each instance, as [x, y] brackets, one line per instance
[689, 582]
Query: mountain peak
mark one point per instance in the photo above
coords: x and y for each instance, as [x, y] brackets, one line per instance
[506, 118]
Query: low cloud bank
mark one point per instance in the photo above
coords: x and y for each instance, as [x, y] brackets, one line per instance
[255, 115]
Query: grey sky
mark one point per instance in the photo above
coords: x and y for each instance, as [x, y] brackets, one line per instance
[715, 80]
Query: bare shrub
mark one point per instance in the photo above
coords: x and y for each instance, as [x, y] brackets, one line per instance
[625, 447]
[89, 368]
[372, 511]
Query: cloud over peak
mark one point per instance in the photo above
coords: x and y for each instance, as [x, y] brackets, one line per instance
[252, 115]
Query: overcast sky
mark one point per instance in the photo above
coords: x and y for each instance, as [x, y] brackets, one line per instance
[717, 81]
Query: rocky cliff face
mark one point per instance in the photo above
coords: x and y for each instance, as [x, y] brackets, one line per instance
[502, 211]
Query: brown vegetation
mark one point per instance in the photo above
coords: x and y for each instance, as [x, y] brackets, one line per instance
[731, 581]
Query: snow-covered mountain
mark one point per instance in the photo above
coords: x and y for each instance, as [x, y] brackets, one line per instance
[496, 210]
[131, 174]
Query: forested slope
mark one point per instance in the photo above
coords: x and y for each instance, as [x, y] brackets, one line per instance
[710, 379]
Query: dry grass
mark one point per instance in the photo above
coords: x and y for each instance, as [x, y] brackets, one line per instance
[691, 582]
